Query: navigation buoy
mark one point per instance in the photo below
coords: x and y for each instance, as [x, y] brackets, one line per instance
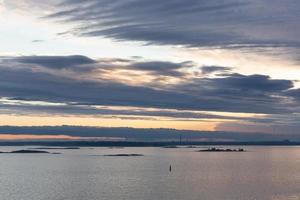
[170, 168]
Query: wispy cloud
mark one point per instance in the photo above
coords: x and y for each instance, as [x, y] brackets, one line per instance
[192, 23]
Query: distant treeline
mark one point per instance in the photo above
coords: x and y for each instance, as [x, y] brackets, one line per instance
[147, 135]
[138, 144]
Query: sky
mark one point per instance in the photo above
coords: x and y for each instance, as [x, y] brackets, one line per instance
[218, 66]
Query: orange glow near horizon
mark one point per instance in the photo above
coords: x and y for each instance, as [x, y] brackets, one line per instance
[14, 120]
[37, 137]
[54, 137]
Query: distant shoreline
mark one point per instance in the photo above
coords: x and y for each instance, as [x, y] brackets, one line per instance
[143, 144]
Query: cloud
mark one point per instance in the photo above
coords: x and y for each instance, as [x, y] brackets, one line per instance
[30, 6]
[212, 69]
[28, 79]
[283, 130]
[294, 93]
[241, 93]
[231, 23]
[57, 62]
[24, 83]
[83, 63]
[161, 68]
[37, 41]
[34, 108]
[254, 83]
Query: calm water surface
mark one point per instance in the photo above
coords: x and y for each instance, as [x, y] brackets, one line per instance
[263, 173]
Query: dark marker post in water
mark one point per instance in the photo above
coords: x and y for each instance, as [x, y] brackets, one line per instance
[170, 168]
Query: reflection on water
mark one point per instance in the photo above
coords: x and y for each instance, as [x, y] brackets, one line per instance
[270, 173]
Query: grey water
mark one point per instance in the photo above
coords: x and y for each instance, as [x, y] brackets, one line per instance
[263, 173]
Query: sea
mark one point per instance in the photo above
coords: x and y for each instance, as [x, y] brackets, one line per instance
[261, 172]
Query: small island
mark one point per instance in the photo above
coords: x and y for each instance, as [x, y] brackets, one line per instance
[125, 155]
[213, 149]
[55, 148]
[28, 152]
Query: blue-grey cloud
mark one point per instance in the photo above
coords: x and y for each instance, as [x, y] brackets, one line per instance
[258, 83]
[28, 108]
[57, 62]
[232, 93]
[212, 69]
[231, 23]
[241, 92]
[161, 68]
[85, 64]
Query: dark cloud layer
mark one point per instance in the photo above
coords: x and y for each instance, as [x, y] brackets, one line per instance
[57, 62]
[255, 83]
[191, 22]
[161, 68]
[20, 79]
[213, 69]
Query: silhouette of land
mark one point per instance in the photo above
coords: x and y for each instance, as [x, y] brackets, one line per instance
[213, 149]
[27, 151]
[115, 144]
[55, 148]
[125, 155]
